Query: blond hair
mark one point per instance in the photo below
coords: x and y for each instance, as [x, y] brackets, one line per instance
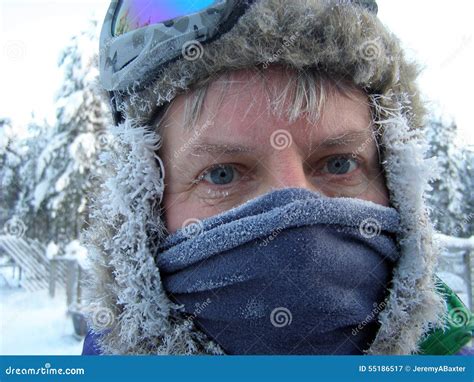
[304, 94]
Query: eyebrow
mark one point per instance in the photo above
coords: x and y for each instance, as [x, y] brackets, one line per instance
[346, 139]
[232, 149]
[222, 149]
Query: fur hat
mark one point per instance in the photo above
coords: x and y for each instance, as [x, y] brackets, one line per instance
[341, 39]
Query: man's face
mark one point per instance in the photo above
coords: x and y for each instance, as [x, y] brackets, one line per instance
[240, 150]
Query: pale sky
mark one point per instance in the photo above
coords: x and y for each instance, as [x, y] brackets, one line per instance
[32, 32]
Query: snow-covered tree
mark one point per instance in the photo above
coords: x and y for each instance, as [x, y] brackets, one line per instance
[9, 162]
[38, 222]
[452, 205]
[54, 174]
[451, 199]
[64, 166]
[14, 150]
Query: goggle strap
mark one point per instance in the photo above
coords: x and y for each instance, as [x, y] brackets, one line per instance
[116, 113]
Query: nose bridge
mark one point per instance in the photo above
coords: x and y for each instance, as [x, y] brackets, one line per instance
[286, 170]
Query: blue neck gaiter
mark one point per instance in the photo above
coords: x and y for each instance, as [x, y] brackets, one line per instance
[289, 272]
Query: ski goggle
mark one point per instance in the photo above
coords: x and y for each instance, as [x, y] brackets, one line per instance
[134, 14]
[139, 36]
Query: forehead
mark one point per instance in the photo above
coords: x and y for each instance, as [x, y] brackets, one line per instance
[239, 107]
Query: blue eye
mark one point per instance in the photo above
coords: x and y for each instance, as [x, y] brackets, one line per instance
[222, 174]
[340, 166]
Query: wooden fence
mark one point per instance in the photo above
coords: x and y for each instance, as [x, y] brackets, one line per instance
[37, 271]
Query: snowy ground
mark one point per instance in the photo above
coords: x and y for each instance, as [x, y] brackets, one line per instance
[33, 323]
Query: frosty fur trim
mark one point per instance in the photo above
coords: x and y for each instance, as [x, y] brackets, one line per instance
[413, 306]
[332, 36]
